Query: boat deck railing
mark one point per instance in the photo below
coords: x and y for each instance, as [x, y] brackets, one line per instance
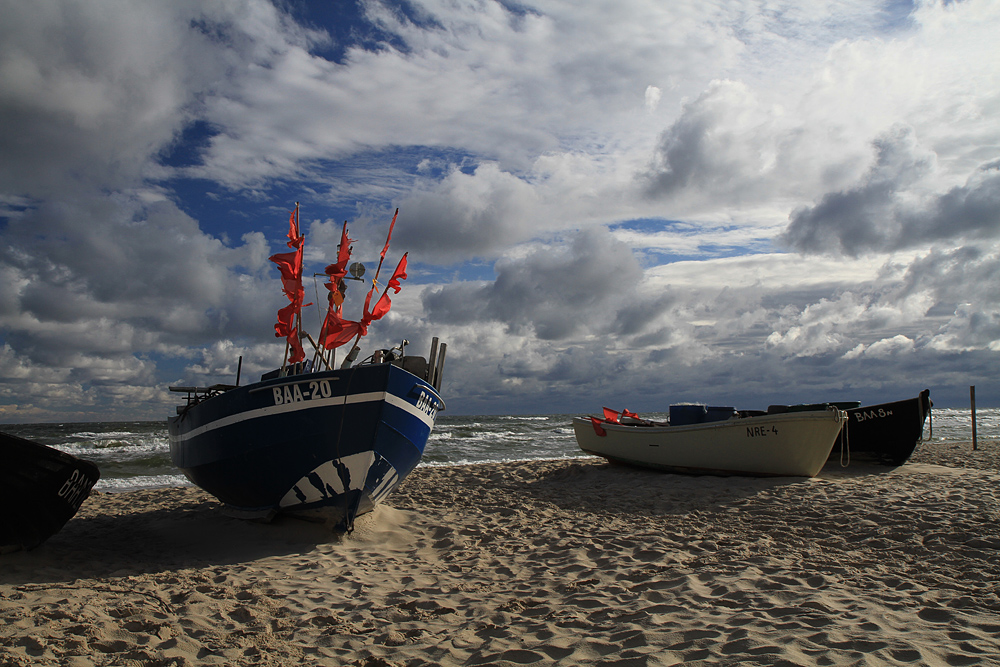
[196, 395]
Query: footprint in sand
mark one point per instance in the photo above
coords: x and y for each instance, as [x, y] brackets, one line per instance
[935, 614]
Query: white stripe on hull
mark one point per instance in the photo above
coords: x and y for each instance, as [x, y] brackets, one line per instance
[306, 405]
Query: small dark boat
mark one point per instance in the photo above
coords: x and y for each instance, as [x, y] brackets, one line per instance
[886, 433]
[41, 488]
[311, 439]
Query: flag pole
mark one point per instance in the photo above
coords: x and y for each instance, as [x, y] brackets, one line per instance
[322, 350]
[377, 271]
[298, 315]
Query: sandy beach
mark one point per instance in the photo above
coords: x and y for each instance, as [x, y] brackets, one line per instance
[570, 562]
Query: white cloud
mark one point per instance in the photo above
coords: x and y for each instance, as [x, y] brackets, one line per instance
[514, 134]
[653, 95]
[881, 349]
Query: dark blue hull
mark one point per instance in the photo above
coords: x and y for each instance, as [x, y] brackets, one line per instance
[330, 443]
[41, 489]
[886, 433]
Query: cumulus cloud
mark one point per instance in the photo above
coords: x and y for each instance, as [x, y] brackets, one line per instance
[887, 347]
[723, 144]
[88, 92]
[549, 290]
[96, 285]
[515, 136]
[969, 328]
[882, 214]
[653, 95]
[469, 214]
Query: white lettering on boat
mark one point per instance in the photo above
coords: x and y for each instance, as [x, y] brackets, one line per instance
[761, 431]
[881, 413]
[322, 388]
[426, 405]
[296, 393]
[73, 488]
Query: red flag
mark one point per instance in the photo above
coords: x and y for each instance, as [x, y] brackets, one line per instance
[384, 303]
[338, 270]
[382, 307]
[597, 426]
[340, 331]
[398, 275]
[290, 266]
[294, 238]
[298, 354]
[626, 413]
[337, 331]
[286, 321]
[389, 236]
[344, 335]
[610, 415]
[366, 315]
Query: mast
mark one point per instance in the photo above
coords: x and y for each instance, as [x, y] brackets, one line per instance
[289, 322]
[298, 311]
[378, 270]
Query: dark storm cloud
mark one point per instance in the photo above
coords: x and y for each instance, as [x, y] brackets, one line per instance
[555, 292]
[877, 215]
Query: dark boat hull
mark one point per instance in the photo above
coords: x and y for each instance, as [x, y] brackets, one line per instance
[886, 433]
[41, 489]
[331, 444]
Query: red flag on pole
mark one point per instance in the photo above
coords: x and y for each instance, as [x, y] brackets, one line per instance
[389, 235]
[294, 237]
[348, 330]
[338, 270]
[333, 322]
[337, 331]
[384, 303]
[290, 266]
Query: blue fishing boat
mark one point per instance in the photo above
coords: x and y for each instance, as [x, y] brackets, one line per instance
[311, 439]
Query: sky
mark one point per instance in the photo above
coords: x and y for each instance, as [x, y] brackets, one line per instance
[630, 203]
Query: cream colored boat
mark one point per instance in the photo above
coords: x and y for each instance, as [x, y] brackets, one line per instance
[793, 443]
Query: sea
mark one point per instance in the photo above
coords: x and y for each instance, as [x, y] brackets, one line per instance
[136, 455]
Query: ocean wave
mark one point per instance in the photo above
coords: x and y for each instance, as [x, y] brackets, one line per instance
[135, 482]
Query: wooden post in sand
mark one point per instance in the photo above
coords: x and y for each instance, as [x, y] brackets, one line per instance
[972, 398]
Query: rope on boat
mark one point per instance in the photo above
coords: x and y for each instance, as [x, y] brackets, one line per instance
[845, 445]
